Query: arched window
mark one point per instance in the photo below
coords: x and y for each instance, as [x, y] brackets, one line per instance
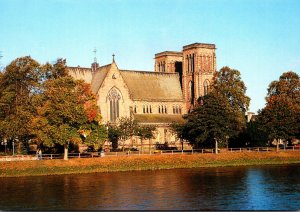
[134, 108]
[206, 87]
[174, 109]
[190, 90]
[158, 109]
[114, 97]
[165, 109]
[150, 109]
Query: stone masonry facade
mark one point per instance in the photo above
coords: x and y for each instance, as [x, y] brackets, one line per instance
[153, 98]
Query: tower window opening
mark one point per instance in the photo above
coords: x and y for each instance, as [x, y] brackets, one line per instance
[206, 87]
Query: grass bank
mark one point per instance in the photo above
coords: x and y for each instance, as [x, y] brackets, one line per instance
[150, 162]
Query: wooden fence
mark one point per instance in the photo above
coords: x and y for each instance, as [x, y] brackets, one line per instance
[151, 152]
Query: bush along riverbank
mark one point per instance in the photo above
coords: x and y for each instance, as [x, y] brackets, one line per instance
[153, 162]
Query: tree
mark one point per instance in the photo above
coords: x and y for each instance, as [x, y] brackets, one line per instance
[127, 128]
[214, 121]
[287, 89]
[66, 112]
[145, 132]
[19, 82]
[228, 83]
[280, 119]
[114, 134]
[252, 136]
[221, 114]
[179, 130]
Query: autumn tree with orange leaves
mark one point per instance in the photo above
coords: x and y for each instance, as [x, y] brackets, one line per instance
[280, 118]
[66, 111]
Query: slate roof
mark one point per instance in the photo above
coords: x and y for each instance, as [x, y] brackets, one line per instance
[158, 118]
[144, 86]
[99, 77]
[153, 86]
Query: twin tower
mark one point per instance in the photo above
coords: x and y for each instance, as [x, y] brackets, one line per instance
[196, 65]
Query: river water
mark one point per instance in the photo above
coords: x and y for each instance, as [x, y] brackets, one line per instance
[229, 188]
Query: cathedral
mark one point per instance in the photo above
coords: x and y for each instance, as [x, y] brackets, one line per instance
[153, 98]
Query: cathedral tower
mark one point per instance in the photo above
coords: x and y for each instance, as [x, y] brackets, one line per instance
[196, 65]
[199, 66]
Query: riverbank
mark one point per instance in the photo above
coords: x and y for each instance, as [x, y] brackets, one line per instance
[144, 162]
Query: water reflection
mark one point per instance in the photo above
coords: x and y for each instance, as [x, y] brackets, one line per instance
[231, 188]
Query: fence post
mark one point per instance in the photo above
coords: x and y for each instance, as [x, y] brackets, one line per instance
[182, 151]
[192, 151]
[79, 155]
[267, 149]
[172, 152]
[293, 148]
[202, 151]
[240, 149]
[51, 156]
[230, 149]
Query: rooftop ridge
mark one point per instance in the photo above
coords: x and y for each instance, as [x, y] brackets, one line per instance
[166, 53]
[200, 45]
[79, 67]
[148, 72]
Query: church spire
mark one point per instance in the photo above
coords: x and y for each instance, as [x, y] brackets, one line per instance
[113, 55]
[95, 65]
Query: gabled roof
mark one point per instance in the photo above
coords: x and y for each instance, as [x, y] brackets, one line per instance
[151, 86]
[99, 77]
[158, 118]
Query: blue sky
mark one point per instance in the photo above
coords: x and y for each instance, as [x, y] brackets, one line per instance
[260, 38]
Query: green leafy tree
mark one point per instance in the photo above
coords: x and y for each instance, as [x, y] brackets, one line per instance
[251, 136]
[214, 121]
[19, 82]
[114, 134]
[66, 112]
[145, 132]
[220, 114]
[228, 83]
[127, 128]
[179, 130]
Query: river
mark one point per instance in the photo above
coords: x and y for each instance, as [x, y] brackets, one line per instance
[227, 188]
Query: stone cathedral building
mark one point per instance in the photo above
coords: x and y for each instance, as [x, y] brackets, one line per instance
[158, 98]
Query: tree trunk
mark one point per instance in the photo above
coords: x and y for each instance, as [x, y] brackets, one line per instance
[66, 152]
[216, 145]
[142, 145]
[277, 145]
